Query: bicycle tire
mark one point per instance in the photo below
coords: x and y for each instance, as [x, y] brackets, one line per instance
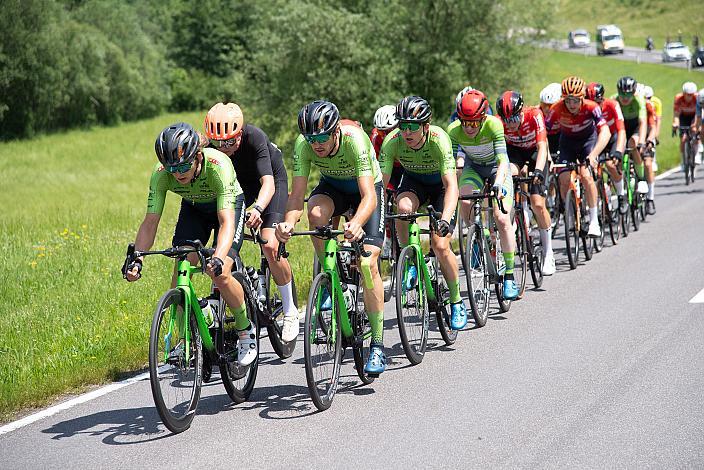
[687, 160]
[461, 236]
[552, 202]
[238, 380]
[587, 245]
[520, 270]
[322, 344]
[274, 306]
[442, 315]
[361, 348]
[504, 304]
[476, 276]
[177, 417]
[411, 307]
[614, 215]
[635, 218]
[571, 232]
[602, 215]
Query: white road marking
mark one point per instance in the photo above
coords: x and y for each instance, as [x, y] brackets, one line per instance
[71, 403]
[698, 299]
[668, 173]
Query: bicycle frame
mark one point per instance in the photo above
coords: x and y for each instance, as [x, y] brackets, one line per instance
[426, 289]
[329, 266]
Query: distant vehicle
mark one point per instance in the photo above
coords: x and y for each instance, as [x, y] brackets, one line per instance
[578, 38]
[609, 39]
[674, 51]
[698, 58]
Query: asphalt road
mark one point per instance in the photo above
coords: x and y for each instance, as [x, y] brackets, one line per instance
[600, 368]
[633, 54]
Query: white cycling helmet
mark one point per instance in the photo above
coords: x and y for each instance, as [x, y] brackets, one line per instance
[648, 92]
[461, 94]
[551, 94]
[689, 88]
[385, 118]
[640, 89]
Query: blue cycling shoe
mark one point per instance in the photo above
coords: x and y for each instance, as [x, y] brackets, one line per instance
[458, 320]
[510, 289]
[326, 300]
[411, 277]
[376, 364]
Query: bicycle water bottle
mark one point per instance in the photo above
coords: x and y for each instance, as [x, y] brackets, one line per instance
[261, 289]
[347, 294]
[207, 310]
[431, 269]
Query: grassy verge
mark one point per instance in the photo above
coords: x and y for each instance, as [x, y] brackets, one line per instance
[74, 201]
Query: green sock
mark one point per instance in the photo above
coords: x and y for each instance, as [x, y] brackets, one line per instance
[376, 321]
[241, 320]
[508, 259]
[454, 287]
[640, 170]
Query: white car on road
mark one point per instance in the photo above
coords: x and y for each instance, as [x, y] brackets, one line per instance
[674, 51]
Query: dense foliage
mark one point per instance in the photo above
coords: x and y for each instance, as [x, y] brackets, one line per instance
[73, 63]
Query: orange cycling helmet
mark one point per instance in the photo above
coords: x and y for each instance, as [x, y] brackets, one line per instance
[472, 106]
[573, 86]
[223, 121]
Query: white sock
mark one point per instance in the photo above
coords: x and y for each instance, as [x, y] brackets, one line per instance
[593, 214]
[651, 190]
[620, 190]
[546, 240]
[287, 299]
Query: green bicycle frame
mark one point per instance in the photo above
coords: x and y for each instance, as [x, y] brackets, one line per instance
[329, 266]
[426, 288]
[630, 185]
[185, 270]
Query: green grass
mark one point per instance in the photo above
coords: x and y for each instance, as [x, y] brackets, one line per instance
[73, 201]
[636, 18]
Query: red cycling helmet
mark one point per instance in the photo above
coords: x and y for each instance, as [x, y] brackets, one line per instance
[595, 91]
[509, 104]
[473, 106]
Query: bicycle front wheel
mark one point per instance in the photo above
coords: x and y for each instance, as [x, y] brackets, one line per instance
[687, 160]
[520, 269]
[478, 288]
[411, 306]
[238, 380]
[362, 330]
[571, 232]
[175, 365]
[322, 342]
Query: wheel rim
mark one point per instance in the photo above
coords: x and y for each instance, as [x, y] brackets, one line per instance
[412, 307]
[477, 278]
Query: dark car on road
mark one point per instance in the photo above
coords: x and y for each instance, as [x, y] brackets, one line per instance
[698, 58]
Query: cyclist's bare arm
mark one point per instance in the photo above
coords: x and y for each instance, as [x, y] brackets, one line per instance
[452, 192]
[147, 232]
[621, 141]
[542, 155]
[226, 233]
[601, 142]
[368, 203]
[266, 192]
[294, 208]
[642, 130]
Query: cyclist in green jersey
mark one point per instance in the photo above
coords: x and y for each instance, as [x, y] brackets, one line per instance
[205, 179]
[425, 154]
[635, 120]
[350, 179]
[479, 140]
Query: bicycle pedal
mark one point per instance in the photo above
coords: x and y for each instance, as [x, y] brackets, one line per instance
[373, 376]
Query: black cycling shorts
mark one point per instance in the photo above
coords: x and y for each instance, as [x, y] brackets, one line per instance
[198, 221]
[432, 194]
[573, 149]
[273, 213]
[554, 143]
[522, 157]
[686, 120]
[632, 126]
[343, 202]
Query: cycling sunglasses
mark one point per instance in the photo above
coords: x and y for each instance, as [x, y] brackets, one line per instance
[625, 95]
[513, 119]
[223, 143]
[180, 168]
[318, 138]
[471, 122]
[409, 126]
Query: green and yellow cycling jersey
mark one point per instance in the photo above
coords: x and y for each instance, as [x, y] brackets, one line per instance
[215, 188]
[633, 110]
[354, 158]
[426, 164]
[487, 148]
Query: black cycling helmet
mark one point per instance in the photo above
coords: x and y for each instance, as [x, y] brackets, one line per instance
[414, 109]
[318, 117]
[510, 103]
[595, 91]
[626, 85]
[176, 144]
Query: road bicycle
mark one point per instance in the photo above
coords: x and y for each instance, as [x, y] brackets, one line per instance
[689, 152]
[415, 298]
[609, 213]
[529, 251]
[484, 259]
[180, 338]
[334, 319]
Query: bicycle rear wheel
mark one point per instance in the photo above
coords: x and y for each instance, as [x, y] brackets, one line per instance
[476, 275]
[275, 309]
[552, 202]
[322, 343]
[614, 215]
[571, 232]
[411, 306]
[587, 244]
[442, 314]
[175, 366]
[602, 215]
[504, 304]
[362, 330]
[238, 380]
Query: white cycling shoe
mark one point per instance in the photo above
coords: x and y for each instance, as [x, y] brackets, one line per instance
[289, 332]
[247, 347]
[549, 265]
[594, 229]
